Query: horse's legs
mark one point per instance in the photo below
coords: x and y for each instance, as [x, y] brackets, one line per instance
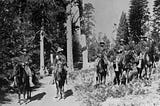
[127, 75]
[120, 76]
[98, 78]
[61, 86]
[150, 72]
[139, 72]
[19, 96]
[101, 78]
[57, 89]
[105, 73]
[30, 90]
[145, 72]
[116, 79]
[61, 92]
[28, 94]
[24, 93]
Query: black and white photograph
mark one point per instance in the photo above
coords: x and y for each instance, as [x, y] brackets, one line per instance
[79, 52]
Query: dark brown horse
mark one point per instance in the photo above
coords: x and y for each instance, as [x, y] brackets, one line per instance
[148, 61]
[125, 66]
[101, 72]
[148, 64]
[22, 82]
[60, 76]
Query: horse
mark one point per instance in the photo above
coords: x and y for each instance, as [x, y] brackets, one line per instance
[60, 76]
[22, 82]
[148, 64]
[101, 71]
[140, 64]
[125, 63]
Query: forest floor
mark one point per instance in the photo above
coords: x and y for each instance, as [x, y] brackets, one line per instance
[81, 90]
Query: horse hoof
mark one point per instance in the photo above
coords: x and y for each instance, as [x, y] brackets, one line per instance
[60, 98]
[56, 96]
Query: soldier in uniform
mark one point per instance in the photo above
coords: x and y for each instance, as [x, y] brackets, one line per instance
[24, 61]
[25, 58]
[116, 70]
[62, 58]
[103, 54]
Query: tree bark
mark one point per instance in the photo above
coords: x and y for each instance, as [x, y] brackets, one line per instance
[69, 39]
[41, 53]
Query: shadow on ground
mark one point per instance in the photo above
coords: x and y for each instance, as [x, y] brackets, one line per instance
[68, 93]
[38, 96]
[4, 98]
[7, 94]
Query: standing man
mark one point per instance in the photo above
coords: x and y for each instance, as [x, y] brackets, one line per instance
[139, 66]
[116, 70]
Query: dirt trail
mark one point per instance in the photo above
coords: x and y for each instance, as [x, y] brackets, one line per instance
[45, 96]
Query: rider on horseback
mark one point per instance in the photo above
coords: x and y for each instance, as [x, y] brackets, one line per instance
[24, 62]
[60, 58]
[102, 56]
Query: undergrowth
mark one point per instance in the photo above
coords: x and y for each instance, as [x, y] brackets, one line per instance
[93, 95]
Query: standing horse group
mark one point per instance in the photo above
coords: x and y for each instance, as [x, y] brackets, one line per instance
[125, 65]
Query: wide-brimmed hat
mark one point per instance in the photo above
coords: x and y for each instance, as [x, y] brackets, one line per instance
[24, 50]
[120, 51]
[59, 49]
[102, 43]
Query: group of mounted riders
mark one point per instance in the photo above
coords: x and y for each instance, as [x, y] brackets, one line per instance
[127, 64]
[23, 74]
[123, 66]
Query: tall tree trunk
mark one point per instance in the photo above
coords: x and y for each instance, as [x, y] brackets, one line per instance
[84, 51]
[41, 53]
[69, 39]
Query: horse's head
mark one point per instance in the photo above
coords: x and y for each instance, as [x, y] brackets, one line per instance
[19, 70]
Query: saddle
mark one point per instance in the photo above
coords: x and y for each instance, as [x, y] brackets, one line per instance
[59, 70]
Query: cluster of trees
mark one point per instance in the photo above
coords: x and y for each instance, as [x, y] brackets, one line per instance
[138, 28]
[21, 22]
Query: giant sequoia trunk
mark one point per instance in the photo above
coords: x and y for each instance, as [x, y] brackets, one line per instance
[69, 40]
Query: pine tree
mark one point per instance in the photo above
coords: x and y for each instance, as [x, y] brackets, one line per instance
[138, 16]
[88, 20]
[20, 22]
[156, 22]
[122, 31]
